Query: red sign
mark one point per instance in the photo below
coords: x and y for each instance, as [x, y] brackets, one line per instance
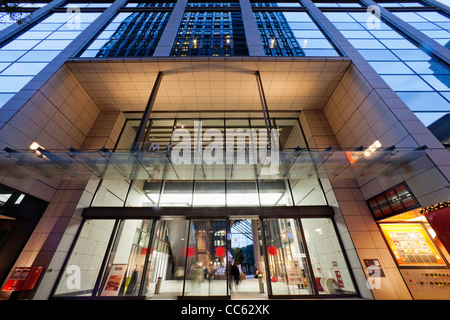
[17, 279]
[32, 278]
[339, 279]
[439, 220]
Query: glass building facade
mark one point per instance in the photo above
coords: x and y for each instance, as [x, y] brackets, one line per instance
[173, 140]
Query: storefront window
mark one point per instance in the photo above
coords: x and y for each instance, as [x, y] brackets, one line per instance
[125, 267]
[167, 260]
[288, 268]
[85, 261]
[328, 263]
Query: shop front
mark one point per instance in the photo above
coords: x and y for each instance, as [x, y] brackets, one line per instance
[175, 253]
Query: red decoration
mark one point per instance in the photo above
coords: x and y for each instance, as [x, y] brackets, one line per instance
[274, 279]
[272, 250]
[191, 251]
[220, 251]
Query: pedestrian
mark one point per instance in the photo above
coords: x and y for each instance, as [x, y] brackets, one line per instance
[235, 274]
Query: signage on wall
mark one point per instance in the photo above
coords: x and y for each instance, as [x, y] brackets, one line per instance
[411, 245]
[23, 278]
[115, 279]
[293, 272]
[391, 202]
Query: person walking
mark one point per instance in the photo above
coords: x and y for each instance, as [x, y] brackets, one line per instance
[235, 274]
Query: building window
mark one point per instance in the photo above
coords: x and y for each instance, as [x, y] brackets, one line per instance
[420, 79]
[129, 34]
[291, 34]
[25, 56]
[210, 33]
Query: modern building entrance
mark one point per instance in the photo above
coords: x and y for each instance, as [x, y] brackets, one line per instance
[191, 256]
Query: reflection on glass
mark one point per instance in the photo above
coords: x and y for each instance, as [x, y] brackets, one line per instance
[38, 46]
[130, 34]
[420, 79]
[274, 193]
[292, 34]
[328, 263]
[176, 194]
[206, 259]
[209, 194]
[167, 260]
[86, 257]
[289, 274]
[211, 33]
[111, 193]
[242, 193]
[125, 267]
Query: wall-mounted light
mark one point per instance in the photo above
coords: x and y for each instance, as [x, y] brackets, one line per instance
[37, 148]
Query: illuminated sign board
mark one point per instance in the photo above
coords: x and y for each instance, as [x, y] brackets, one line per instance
[411, 245]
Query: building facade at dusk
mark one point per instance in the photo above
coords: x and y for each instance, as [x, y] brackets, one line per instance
[146, 147]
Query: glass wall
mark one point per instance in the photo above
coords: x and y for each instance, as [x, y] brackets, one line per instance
[125, 267]
[331, 273]
[227, 187]
[206, 259]
[288, 268]
[166, 268]
[420, 79]
[292, 34]
[81, 272]
[25, 56]
[173, 257]
[210, 33]
[432, 23]
[129, 34]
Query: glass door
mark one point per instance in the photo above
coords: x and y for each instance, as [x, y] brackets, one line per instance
[206, 259]
[247, 276]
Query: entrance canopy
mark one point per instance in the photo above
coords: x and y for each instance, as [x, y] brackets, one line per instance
[158, 165]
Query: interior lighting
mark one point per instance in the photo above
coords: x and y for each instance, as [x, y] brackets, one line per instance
[272, 43]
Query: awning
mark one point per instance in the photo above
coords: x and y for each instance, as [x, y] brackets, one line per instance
[157, 165]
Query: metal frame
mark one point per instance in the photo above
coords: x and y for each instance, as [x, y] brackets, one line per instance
[122, 213]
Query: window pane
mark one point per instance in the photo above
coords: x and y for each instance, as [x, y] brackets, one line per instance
[167, 260]
[424, 101]
[328, 262]
[274, 193]
[125, 266]
[177, 194]
[288, 269]
[242, 193]
[86, 259]
[406, 83]
[206, 259]
[209, 193]
[386, 67]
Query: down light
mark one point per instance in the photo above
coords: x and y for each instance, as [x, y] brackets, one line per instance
[37, 148]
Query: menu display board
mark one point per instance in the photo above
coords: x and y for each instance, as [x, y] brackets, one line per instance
[411, 245]
[115, 278]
